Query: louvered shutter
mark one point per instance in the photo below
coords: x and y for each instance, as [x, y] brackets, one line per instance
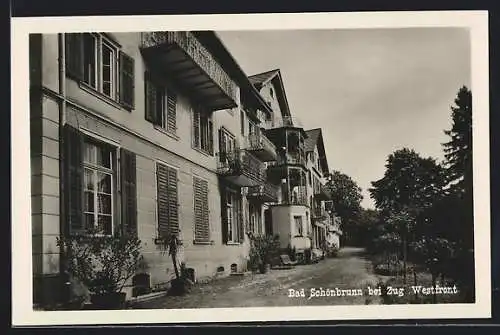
[201, 210]
[173, 206]
[74, 55]
[127, 80]
[128, 178]
[241, 221]
[210, 137]
[162, 200]
[223, 195]
[171, 111]
[196, 128]
[150, 98]
[73, 181]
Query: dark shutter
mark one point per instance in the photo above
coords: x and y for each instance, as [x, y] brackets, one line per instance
[173, 206]
[201, 210]
[168, 216]
[171, 111]
[162, 199]
[222, 146]
[196, 128]
[150, 98]
[242, 120]
[241, 221]
[128, 180]
[74, 55]
[127, 67]
[73, 181]
[210, 137]
[223, 212]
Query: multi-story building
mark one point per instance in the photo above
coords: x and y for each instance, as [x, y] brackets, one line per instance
[150, 133]
[162, 133]
[301, 167]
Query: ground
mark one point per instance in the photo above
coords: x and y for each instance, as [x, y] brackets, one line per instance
[348, 270]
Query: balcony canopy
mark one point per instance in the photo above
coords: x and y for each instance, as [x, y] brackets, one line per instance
[180, 56]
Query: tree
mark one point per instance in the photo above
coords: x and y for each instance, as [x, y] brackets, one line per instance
[458, 151]
[409, 188]
[346, 197]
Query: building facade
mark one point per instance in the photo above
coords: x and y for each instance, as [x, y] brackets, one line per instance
[153, 134]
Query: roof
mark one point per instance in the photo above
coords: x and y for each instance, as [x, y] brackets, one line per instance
[261, 78]
[312, 139]
[315, 138]
[212, 41]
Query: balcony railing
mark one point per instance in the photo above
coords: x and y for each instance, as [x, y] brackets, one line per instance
[319, 214]
[189, 61]
[261, 146]
[297, 198]
[264, 193]
[287, 121]
[289, 158]
[241, 168]
[321, 192]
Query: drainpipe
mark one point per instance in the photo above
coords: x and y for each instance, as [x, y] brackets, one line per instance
[62, 122]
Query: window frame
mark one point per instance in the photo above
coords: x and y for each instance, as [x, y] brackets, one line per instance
[299, 232]
[209, 138]
[112, 171]
[233, 205]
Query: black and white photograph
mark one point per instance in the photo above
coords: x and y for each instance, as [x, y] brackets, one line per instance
[187, 168]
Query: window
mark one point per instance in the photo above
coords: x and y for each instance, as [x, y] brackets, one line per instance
[255, 225]
[90, 183]
[227, 144]
[251, 127]
[98, 187]
[167, 200]
[203, 131]
[161, 104]
[298, 226]
[232, 217]
[97, 61]
[201, 210]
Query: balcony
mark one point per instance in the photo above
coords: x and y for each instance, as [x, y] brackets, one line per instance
[319, 214]
[240, 168]
[261, 147]
[287, 121]
[297, 198]
[263, 193]
[321, 192]
[182, 57]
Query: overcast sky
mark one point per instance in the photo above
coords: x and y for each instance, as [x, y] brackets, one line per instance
[372, 91]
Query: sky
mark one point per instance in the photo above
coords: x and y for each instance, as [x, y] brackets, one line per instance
[372, 91]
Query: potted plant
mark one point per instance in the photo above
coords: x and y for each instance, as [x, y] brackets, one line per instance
[103, 264]
[181, 284]
[262, 250]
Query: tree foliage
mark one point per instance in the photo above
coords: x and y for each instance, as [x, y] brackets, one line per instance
[346, 197]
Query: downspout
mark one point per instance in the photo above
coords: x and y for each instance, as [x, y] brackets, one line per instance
[62, 122]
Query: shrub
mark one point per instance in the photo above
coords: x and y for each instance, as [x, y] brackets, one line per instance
[102, 263]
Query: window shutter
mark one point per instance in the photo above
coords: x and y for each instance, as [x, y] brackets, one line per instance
[224, 231]
[173, 205]
[127, 84]
[128, 178]
[242, 120]
[74, 55]
[196, 128]
[201, 214]
[73, 181]
[162, 199]
[211, 137]
[171, 111]
[241, 221]
[222, 146]
[150, 98]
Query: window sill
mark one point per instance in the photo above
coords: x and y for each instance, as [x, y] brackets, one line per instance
[203, 242]
[166, 132]
[159, 241]
[99, 95]
[203, 152]
[233, 243]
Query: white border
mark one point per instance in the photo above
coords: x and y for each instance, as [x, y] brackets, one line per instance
[22, 312]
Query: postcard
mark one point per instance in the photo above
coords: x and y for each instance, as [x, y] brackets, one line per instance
[233, 168]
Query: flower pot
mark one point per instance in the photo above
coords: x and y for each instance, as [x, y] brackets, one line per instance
[113, 300]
